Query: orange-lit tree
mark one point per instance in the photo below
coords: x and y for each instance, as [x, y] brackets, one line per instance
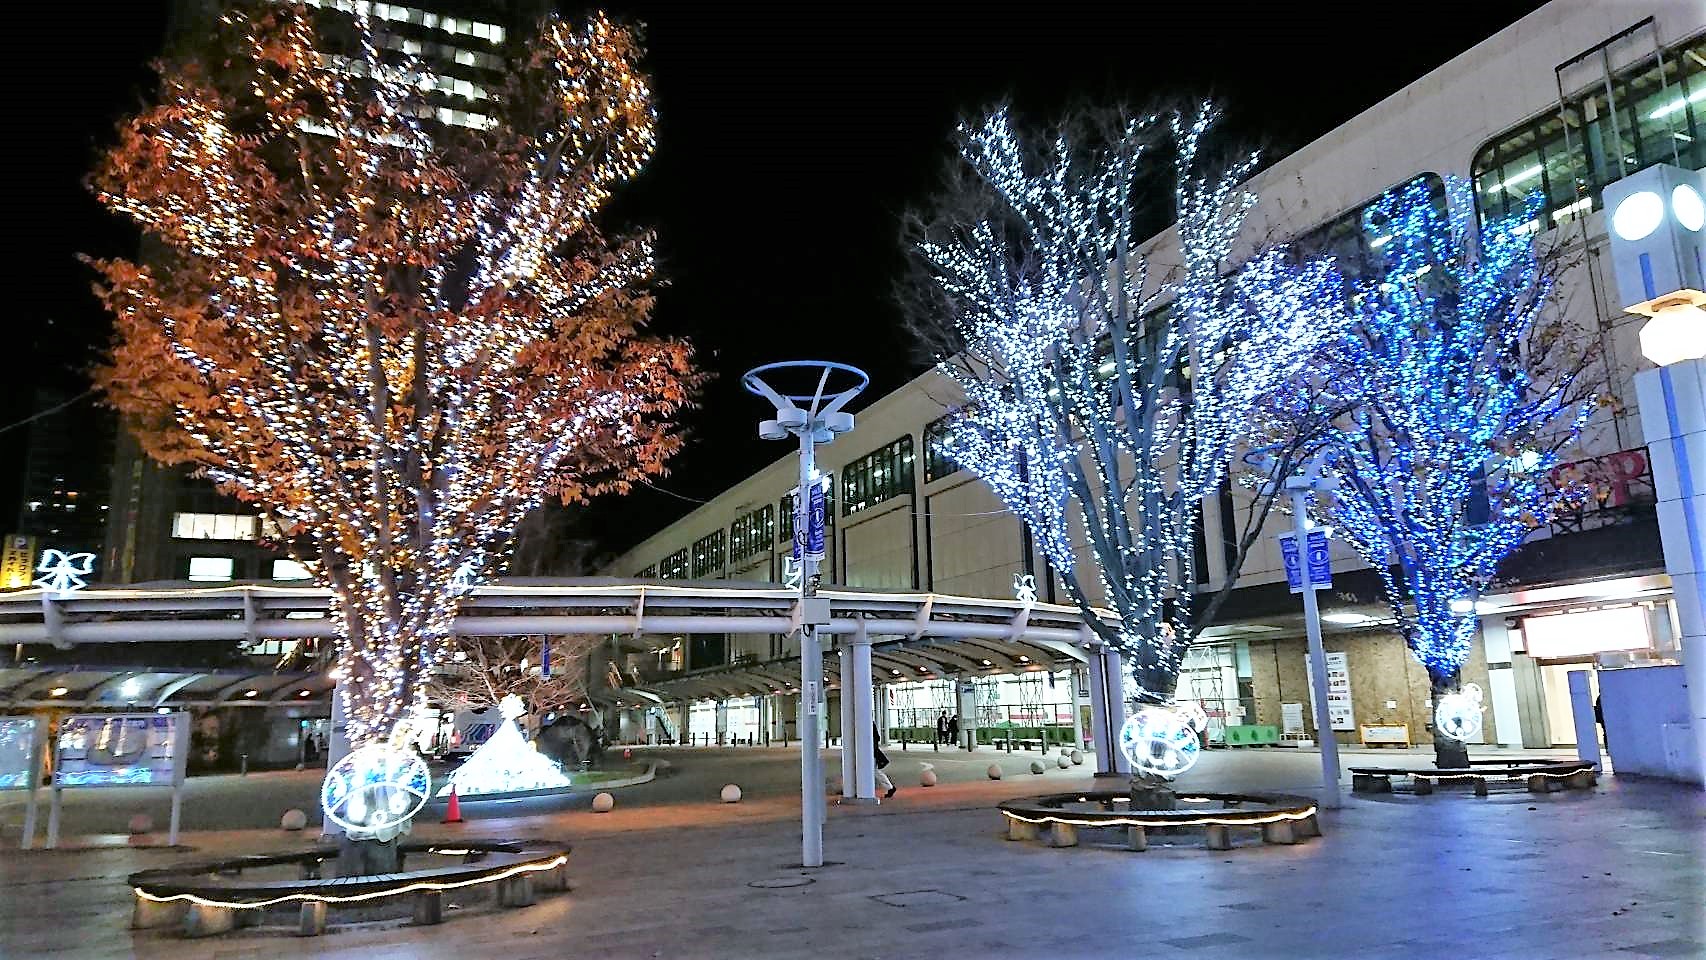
[395, 335]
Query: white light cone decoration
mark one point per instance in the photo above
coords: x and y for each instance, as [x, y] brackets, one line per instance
[1458, 715]
[373, 791]
[507, 762]
[1160, 741]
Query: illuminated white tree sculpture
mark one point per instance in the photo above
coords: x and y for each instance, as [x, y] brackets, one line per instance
[1094, 386]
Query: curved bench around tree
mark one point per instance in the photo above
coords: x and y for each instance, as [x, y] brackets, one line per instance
[213, 896]
[1282, 818]
[1540, 774]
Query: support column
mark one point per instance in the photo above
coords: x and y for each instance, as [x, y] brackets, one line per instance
[682, 734]
[1501, 682]
[1107, 711]
[1074, 676]
[849, 740]
[859, 738]
[1673, 418]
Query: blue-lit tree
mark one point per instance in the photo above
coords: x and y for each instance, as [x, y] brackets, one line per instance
[1095, 386]
[1464, 385]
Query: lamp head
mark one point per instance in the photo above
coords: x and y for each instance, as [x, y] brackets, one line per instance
[1677, 330]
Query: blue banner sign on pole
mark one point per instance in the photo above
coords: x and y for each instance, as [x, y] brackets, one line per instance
[1320, 561]
[814, 531]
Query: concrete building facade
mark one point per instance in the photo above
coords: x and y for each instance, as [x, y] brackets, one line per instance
[1566, 100]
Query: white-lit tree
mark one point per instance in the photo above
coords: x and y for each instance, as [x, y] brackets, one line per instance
[396, 334]
[1464, 383]
[1097, 386]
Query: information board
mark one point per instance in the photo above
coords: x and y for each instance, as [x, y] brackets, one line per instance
[20, 756]
[121, 750]
[1340, 714]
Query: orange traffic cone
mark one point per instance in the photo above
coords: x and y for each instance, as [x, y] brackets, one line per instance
[453, 811]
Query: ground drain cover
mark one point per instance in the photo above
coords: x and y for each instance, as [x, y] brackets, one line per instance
[780, 882]
[917, 898]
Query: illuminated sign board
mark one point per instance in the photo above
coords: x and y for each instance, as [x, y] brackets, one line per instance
[121, 750]
[19, 757]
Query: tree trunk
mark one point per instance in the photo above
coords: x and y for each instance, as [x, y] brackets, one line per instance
[1449, 752]
[366, 858]
[1149, 792]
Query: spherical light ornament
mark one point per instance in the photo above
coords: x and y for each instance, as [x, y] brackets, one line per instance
[1458, 715]
[374, 791]
[1687, 207]
[1160, 741]
[1638, 215]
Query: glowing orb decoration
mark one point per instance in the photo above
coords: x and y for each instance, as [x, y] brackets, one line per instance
[1160, 740]
[1458, 715]
[373, 791]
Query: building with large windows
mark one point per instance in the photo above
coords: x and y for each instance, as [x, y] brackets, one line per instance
[1565, 101]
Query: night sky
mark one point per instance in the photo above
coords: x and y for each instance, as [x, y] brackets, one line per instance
[791, 138]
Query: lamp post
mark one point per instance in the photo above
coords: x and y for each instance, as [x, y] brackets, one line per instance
[821, 420]
[1658, 244]
[1298, 487]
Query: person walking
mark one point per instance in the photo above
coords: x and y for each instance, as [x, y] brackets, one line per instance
[880, 760]
[942, 727]
[954, 729]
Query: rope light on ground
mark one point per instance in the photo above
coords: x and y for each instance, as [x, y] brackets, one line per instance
[417, 887]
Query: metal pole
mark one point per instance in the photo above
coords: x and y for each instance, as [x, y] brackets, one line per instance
[1317, 656]
[812, 806]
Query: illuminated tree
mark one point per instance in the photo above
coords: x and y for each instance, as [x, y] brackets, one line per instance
[396, 335]
[1463, 388]
[1095, 385]
[481, 671]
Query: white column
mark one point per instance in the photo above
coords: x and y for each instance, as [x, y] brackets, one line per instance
[849, 739]
[1073, 675]
[1673, 417]
[860, 737]
[1501, 681]
[1107, 711]
[683, 730]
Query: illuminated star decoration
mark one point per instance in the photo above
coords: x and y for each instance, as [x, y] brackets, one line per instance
[64, 572]
[507, 762]
[1085, 372]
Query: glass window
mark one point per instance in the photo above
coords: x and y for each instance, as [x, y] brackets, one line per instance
[650, 573]
[1649, 116]
[211, 569]
[877, 476]
[752, 533]
[708, 555]
[674, 566]
[214, 526]
[289, 570]
[936, 462]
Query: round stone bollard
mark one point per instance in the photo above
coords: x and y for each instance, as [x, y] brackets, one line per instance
[1077, 757]
[603, 803]
[1037, 766]
[293, 820]
[927, 778]
[1063, 761]
[731, 793]
[994, 771]
[140, 824]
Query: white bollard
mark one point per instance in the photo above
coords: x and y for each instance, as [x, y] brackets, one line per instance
[1037, 766]
[1077, 757]
[731, 793]
[294, 819]
[927, 778]
[603, 803]
[1063, 761]
[994, 771]
[140, 824]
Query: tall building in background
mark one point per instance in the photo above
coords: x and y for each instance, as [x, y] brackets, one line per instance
[166, 523]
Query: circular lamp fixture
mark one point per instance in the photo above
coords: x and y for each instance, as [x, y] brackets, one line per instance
[1160, 740]
[1638, 215]
[1686, 205]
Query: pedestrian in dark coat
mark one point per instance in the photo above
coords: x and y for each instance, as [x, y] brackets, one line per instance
[954, 729]
[880, 760]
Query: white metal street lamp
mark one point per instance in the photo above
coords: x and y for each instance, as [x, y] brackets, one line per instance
[814, 418]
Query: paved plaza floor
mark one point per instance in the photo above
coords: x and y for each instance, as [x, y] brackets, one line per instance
[1617, 872]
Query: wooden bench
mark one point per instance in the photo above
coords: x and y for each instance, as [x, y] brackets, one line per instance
[211, 897]
[1282, 818]
[1540, 776]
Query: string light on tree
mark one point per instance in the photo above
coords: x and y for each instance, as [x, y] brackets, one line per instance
[1096, 389]
[397, 335]
[1463, 391]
